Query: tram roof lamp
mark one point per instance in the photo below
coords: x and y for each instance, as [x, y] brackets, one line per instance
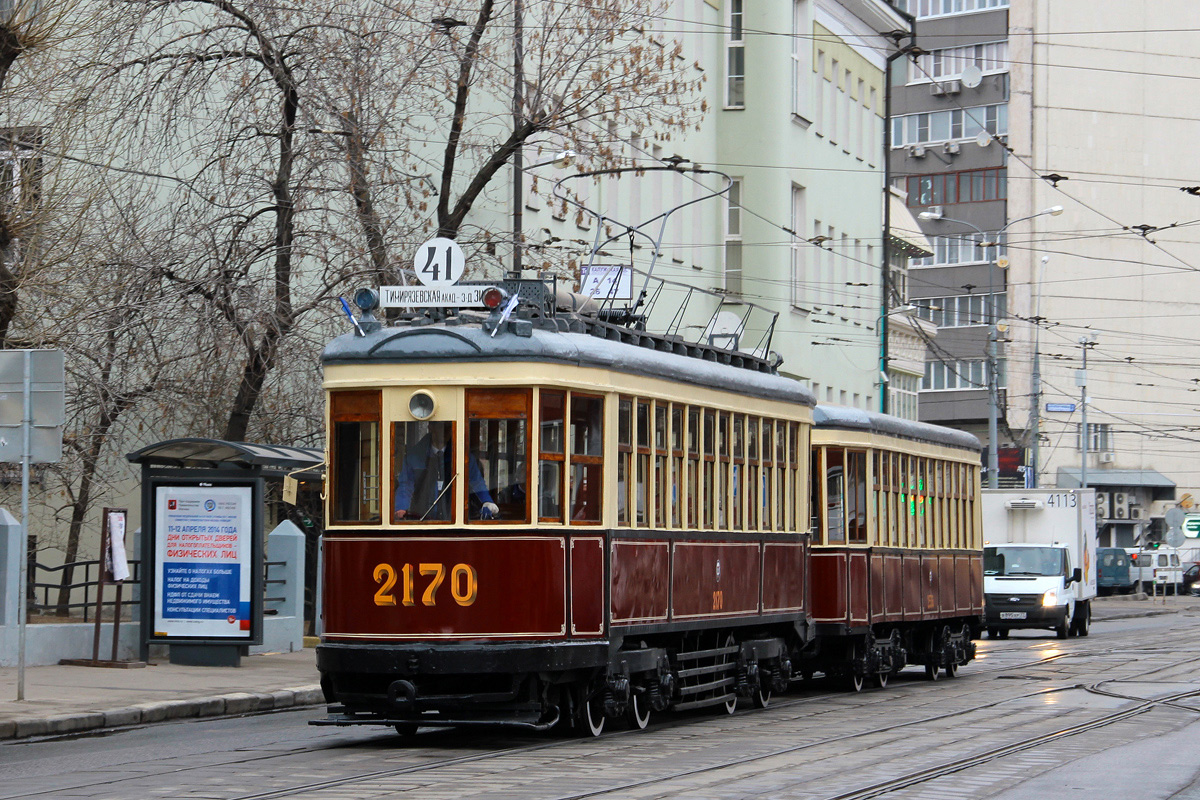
[366, 299]
[493, 297]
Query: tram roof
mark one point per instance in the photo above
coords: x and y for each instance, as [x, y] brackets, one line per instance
[463, 343]
[856, 419]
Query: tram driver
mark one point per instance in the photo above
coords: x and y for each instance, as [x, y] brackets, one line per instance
[425, 483]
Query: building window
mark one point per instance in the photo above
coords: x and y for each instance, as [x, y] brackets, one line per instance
[949, 125]
[735, 58]
[801, 35]
[924, 9]
[955, 250]
[961, 374]
[949, 63]
[963, 311]
[733, 238]
[947, 188]
[902, 394]
[1100, 439]
[799, 295]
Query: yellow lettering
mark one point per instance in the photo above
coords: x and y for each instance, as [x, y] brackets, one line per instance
[386, 575]
[438, 571]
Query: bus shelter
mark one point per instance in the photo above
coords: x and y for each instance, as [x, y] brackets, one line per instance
[203, 507]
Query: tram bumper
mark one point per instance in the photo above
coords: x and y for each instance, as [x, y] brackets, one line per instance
[492, 683]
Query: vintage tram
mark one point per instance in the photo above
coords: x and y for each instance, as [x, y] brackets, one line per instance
[556, 520]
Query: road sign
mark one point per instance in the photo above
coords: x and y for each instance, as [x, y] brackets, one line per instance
[439, 262]
[46, 394]
[1175, 537]
[1064, 407]
[1174, 517]
[448, 296]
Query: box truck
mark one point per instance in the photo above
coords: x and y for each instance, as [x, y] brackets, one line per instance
[1039, 560]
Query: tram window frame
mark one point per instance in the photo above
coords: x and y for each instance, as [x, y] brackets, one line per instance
[835, 469]
[677, 484]
[855, 487]
[709, 478]
[356, 408]
[753, 474]
[694, 468]
[396, 457]
[737, 501]
[724, 475]
[780, 433]
[550, 456]
[501, 404]
[661, 463]
[643, 477]
[586, 466]
[625, 484]
[793, 489]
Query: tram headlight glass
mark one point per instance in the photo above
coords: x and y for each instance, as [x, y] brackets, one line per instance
[1050, 598]
[421, 405]
[493, 296]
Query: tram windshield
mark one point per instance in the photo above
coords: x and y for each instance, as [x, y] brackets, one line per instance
[1013, 561]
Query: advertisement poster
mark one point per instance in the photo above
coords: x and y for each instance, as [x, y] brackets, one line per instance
[203, 565]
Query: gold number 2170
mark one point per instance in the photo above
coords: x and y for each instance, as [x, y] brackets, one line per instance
[464, 583]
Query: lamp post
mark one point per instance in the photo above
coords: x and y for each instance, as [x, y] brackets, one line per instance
[993, 466]
[562, 161]
[1036, 378]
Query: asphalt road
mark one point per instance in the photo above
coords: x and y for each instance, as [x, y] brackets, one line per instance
[1114, 715]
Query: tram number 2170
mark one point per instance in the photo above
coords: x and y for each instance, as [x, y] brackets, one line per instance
[464, 583]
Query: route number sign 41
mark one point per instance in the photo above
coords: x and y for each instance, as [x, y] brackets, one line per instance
[439, 262]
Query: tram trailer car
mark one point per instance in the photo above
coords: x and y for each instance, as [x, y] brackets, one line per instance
[569, 522]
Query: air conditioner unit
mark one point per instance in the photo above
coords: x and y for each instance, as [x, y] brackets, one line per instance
[936, 89]
[1107, 458]
[952, 87]
[951, 148]
[1103, 505]
[1136, 513]
[1134, 500]
[1120, 499]
[917, 151]
[1121, 512]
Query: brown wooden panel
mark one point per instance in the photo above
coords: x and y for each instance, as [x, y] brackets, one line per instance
[784, 586]
[894, 587]
[712, 579]
[364, 406]
[976, 583]
[587, 586]
[947, 594]
[929, 598]
[829, 598]
[962, 583]
[860, 599]
[913, 602]
[878, 584]
[639, 581]
[359, 604]
[498, 403]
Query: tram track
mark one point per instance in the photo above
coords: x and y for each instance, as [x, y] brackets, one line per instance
[896, 689]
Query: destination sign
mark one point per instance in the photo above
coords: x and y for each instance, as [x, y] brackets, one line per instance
[431, 296]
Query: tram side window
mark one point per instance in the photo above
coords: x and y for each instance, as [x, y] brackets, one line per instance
[708, 446]
[355, 419]
[624, 458]
[662, 495]
[835, 496]
[753, 474]
[425, 468]
[678, 479]
[642, 491]
[693, 467]
[552, 407]
[739, 470]
[587, 458]
[856, 496]
[497, 438]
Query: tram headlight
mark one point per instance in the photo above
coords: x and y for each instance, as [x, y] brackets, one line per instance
[493, 296]
[1050, 598]
[366, 299]
[421, 405]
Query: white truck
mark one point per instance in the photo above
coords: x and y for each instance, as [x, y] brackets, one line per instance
[1039, 560]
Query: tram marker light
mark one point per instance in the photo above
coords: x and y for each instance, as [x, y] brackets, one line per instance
[493, 297]
[421, 405]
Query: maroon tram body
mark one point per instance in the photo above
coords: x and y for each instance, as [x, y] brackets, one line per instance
[625, 530]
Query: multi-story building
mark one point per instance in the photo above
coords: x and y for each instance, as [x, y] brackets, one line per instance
[1051, 132]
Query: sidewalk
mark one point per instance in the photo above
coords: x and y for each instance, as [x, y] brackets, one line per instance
[62, 699]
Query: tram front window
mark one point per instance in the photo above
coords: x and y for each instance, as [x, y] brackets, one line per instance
[426, 474]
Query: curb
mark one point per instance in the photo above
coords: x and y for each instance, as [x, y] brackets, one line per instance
[143, 713]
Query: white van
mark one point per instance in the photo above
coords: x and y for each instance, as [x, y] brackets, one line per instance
[1160, 565]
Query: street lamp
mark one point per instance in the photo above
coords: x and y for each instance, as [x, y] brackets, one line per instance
[993, 331]
[561, 161]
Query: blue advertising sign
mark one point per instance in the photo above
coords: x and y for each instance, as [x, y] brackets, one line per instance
[203, 561]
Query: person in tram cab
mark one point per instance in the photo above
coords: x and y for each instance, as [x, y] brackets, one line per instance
[425, 483]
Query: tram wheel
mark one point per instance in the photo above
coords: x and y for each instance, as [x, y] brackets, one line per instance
[637, 713]
[590, 711]
[406, 729]
[854, 681]
[951, 669]
[761, 697]
[932, 672]
[881, 679]
[731, 704]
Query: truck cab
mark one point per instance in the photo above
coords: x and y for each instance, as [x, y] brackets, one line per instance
[1033, 586]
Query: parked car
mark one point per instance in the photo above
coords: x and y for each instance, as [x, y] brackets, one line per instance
[1112, 571]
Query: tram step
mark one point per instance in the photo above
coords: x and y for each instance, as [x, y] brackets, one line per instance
[695, 654]
[707, 669]
[712, 701]
[697, 688]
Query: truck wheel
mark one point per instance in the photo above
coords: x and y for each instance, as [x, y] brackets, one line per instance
[1085, 619]
[993, 633]
[1064, 629]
